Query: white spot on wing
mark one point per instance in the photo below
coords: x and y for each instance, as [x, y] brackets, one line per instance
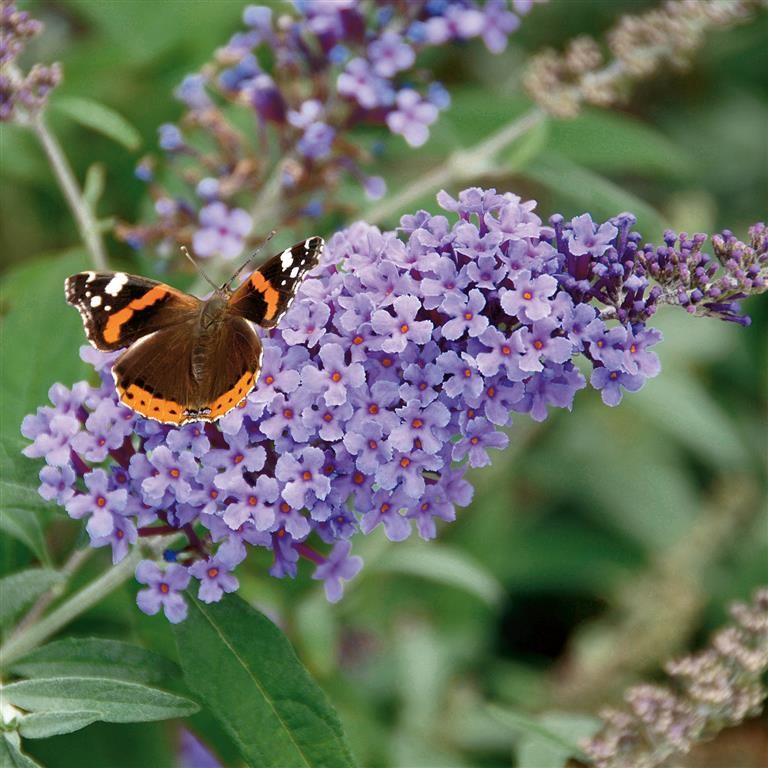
[107, 308]
[95, 301]
[286, 259]
[294, 272]
[91, 276]
[116, 284]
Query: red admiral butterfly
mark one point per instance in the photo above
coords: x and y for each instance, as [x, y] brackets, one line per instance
[188, 359]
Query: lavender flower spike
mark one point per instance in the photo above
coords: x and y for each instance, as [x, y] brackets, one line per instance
[392, 373]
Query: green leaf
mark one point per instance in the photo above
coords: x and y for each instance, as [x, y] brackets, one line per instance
[95, 115]
[20, 590]
[42, 725]
[589, 191]
[95, 180]
[548, 740]
[614, 142]
[19, 500]
[274, 711]
[116, 701]
[28, 369]
[95, 657]
[529, 146]
[443, 564]
[11, 755]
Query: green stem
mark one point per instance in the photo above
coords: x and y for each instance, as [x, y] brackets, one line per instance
[462, 165]
[86, 221]
[75, 561]
[19, 644]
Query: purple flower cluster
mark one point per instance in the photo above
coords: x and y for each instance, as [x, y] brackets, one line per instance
[21, 93]
[706, 285]
[394, 371]
[309, 78]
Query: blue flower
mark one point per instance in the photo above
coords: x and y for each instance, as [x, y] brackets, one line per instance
[163, 591]
[389, 376]
[412, 117]
[339, 566]
[222, 231]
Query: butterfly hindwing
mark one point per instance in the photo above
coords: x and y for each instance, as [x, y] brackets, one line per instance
[265, 296]
[189, 389]
[117, 309]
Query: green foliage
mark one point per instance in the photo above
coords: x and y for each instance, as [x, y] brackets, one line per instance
[110, 700]
[96, 657]
[265, 699]
[506, 604]
[19, 590]
[101, 118]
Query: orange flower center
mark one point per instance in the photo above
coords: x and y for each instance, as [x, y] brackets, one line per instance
[335, 376]
[404, 462]
[269, 379]
[404, 328]
[213, 573]
[538, 344]
[417, 423]
[100, 501]
[306, 475]
[175, 472]
[527, 295]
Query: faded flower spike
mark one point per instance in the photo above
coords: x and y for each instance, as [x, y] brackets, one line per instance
[716, 688]
[402, 357]
[21, 93]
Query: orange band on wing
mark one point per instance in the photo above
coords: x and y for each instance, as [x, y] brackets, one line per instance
[271, 296]
[115, 322]
[170, 412]
[233, 397]
[147, 404]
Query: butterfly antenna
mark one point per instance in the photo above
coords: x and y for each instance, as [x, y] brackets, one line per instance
[250, 259]
[197, 266]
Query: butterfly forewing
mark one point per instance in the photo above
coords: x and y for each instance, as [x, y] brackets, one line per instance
[117, 309]
[266, 295]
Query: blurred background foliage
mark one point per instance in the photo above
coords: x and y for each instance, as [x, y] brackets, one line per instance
[599, 544]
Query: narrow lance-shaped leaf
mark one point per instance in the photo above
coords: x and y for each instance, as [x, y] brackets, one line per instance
[96, 657]
[42, 725]
[116, 701]
[21, 589]
[101, 118]
[244, 669]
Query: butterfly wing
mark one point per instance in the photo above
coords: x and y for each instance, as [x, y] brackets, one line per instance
[118, 309]
[170, 377]
[266, 295]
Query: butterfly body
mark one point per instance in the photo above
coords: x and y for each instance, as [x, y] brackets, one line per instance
[187, 359]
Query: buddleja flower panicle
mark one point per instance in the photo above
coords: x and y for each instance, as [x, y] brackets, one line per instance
[310, 78]
[718, 687]
[21, 94]
[395, 369]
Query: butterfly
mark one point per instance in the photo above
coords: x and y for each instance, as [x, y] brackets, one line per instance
[187, 359]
